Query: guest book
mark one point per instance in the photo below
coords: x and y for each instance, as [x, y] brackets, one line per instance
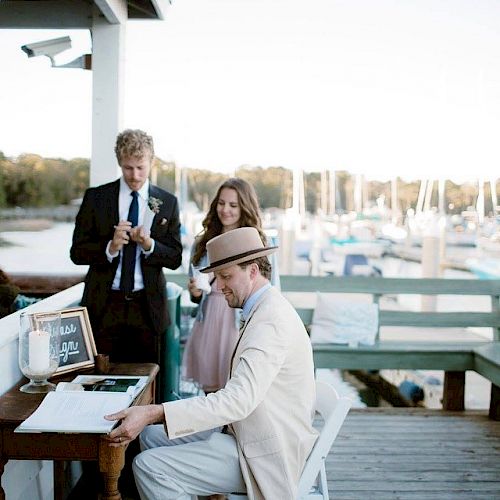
[80, 405]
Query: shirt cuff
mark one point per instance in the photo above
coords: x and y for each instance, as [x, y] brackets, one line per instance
[151, 250]
[109, 255]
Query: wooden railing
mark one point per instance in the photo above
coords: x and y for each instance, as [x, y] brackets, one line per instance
[454, 356]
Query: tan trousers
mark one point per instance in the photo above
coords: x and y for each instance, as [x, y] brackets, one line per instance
[201, 464]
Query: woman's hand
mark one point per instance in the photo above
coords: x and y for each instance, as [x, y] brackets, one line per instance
[194, 291]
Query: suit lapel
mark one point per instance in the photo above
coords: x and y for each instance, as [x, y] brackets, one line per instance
[153, 192]
[114, 212]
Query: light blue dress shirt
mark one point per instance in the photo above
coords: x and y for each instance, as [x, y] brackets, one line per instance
[250, 302]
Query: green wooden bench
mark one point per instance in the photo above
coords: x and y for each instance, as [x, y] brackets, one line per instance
[487, 364]
[460, 352]
[454, 356]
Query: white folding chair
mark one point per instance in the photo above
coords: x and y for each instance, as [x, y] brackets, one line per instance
[333, 410]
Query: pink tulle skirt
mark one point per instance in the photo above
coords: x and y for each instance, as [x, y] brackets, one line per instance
[211, 344]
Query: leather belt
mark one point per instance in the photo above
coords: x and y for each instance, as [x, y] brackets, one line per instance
[120, 296]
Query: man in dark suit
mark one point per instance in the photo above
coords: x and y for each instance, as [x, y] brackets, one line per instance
[127, 231]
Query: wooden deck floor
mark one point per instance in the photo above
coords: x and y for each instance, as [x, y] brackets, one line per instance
[402, 453]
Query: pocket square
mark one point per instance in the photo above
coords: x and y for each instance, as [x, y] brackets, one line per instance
[163, 221]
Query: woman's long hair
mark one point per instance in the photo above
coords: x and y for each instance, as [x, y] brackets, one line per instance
[249, 215]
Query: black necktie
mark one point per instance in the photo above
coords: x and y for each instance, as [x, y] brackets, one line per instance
[128, 253]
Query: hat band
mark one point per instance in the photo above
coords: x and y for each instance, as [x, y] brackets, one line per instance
[221, 262]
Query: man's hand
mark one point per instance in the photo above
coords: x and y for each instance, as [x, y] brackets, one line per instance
[133, 421]
[120, 237]
[141, 237]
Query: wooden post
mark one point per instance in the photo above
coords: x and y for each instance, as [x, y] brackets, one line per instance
[494, 413]
[431, 266]
[454, 391]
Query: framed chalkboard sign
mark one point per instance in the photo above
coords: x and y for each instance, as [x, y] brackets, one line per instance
[77, 349]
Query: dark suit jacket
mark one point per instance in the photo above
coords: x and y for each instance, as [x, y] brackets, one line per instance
[94, 228]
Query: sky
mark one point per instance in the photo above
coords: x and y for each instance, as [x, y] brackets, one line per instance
[378, 87]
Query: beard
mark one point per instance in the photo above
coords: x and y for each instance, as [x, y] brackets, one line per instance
[233, 301]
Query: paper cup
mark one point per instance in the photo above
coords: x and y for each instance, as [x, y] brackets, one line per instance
[201, 279]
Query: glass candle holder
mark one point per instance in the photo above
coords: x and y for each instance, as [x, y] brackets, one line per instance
[39, 341]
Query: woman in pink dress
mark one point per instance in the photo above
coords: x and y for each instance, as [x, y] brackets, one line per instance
[215, 330]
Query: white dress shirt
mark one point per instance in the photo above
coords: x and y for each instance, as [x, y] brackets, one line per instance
[124, 200]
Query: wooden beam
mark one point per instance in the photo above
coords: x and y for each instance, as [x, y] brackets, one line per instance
[55, 14]
[494, 412]
[454, 391]
[44, 285]
[115, 11]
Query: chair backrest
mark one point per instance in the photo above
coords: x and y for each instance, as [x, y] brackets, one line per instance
[333, 409]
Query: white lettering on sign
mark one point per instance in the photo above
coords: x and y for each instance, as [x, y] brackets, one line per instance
[69, 348]
[68, 329]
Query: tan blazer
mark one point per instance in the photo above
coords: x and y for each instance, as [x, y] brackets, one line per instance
[269, 400]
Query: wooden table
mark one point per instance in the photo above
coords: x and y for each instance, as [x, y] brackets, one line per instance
[16, 406]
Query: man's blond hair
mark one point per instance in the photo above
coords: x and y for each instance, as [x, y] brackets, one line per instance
[134, 144]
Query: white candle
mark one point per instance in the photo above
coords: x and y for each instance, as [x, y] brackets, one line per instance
[39, 351]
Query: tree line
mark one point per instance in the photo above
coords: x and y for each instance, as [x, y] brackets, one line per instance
[33, 181]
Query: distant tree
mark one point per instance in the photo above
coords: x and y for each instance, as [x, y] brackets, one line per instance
[272, 184]
[461, 196]
[3, 168]
[33, 181]
[202, 186]
[77, 176]
[165, 174]
[408, 195]
[312, 190]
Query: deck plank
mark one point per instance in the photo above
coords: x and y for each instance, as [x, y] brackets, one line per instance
[408, 454]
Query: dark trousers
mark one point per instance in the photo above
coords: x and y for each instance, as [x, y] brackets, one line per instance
[125, 332]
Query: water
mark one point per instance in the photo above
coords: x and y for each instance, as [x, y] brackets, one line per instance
[40, 252]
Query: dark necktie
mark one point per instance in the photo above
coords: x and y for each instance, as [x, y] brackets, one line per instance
[128, 253]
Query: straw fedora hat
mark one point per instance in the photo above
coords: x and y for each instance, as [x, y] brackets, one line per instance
[234, 247]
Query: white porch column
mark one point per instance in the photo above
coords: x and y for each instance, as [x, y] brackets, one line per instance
[108, 68]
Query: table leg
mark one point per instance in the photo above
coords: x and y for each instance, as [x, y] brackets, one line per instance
[3, 461]
[59, 479]
[111, 463]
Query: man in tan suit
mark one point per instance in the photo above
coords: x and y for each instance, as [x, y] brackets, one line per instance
[265, 410]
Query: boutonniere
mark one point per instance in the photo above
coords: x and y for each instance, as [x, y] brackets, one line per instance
[154, 204]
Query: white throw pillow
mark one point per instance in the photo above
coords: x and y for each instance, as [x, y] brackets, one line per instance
[340, 321]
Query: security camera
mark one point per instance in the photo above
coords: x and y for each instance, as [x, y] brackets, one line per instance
[49, 48]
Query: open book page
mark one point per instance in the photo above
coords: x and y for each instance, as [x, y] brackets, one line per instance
[76, 411]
